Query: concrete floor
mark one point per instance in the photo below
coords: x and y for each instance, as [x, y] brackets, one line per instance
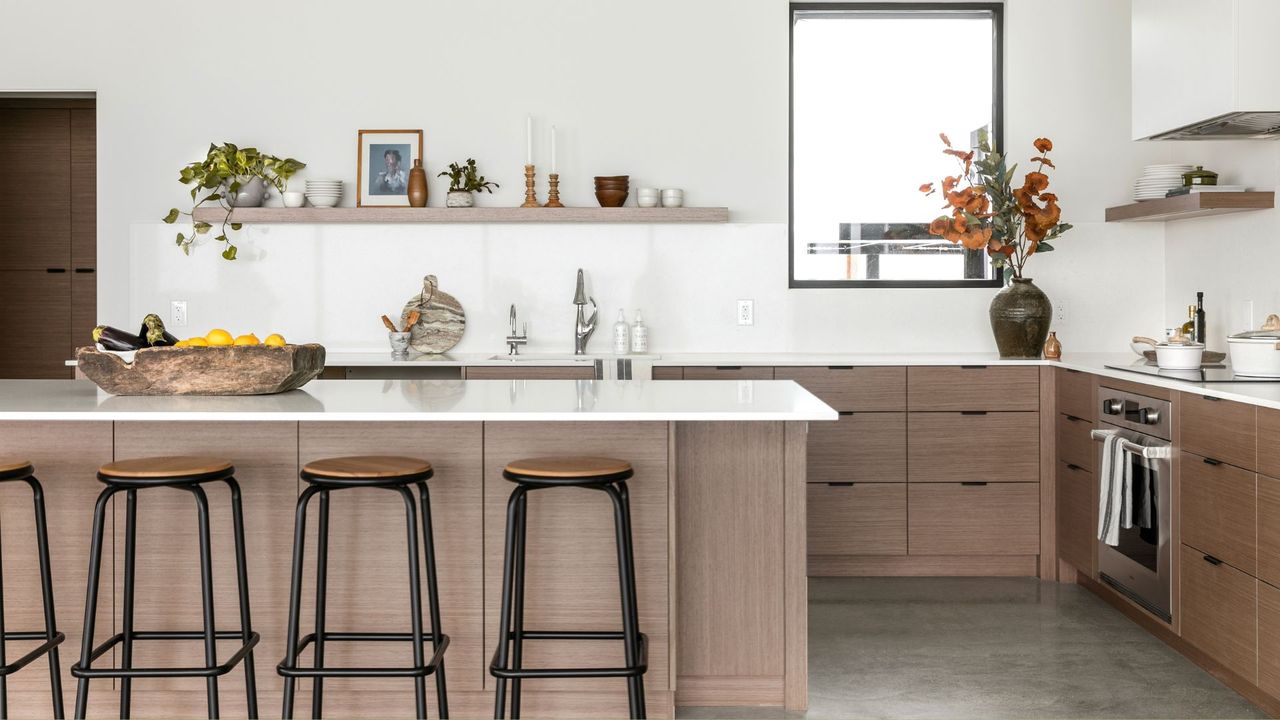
[988, 648]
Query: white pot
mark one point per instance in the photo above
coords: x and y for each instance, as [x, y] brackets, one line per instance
[1179, 357]
[1257, 353]
[460, 199]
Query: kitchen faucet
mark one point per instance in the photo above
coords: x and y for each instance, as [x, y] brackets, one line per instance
[514, 341]
[585, 325]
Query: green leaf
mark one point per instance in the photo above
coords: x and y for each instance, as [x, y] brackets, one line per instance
[172, 217]
[193, 192]
[221, 238]
[229, 253]
[1044, 247]
[202, 228]
[180, 240]
[236, 226]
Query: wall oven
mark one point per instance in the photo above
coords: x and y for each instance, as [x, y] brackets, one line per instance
[1140, 564]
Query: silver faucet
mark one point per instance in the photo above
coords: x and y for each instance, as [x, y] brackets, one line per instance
[585, 325]
[514, 341]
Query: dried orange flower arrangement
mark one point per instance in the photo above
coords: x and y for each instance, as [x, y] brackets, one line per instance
[988, 212]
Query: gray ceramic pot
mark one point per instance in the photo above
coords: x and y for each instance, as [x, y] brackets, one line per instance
[460, 199]
[252, 193]
[1020, 318]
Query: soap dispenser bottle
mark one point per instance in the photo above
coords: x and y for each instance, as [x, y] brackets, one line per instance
[639, 335]
[621, 335]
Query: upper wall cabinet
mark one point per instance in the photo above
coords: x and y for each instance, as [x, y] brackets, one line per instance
[1205, 70]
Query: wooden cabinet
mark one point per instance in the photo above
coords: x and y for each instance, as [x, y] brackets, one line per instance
[973, 388]
[1075, 441]
[1269, 442]
[1269, 529]
[667, 372]
[1269, 638]
[858, 519]
[35, 188]
[1219, 510]
[1219, 612]
[1220, 429]
[727, 372]
[35, 324]
[1075, 515]
[84, 191]
[852, 389]
[973, 519]
[523, 372]
[1075, 394]
[957, 447]
[859, 447]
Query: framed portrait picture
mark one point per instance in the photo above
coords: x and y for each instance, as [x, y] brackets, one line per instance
[382, 174]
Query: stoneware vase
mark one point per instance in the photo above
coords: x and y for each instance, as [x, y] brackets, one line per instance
[417, 185]
[1020, 317]
[460, 198]
[252, 193]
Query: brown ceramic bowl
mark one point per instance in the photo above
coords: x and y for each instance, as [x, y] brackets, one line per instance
[617, 178]
[611, 198]
[611, 184]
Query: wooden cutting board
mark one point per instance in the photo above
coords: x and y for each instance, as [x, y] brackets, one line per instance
[442, 321]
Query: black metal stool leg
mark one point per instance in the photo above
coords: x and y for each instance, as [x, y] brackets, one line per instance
[4, 679]
[433, 596]
[206, 595]
[626, 587]
[504, 617]
[517, 621]
[242, 583]
[91, 598]
[415, 600]
[322, 583]
[126, 625]
[635, 603]
[295, 598]
[46, 589]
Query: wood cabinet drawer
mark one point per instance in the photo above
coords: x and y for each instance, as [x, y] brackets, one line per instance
[1219, 510]
[955, 447]
[667, 372]
[862, 447]
[727, 372]
[1269, 530]
[1269, 638]
[852, 389]
[859, 519]
[1219, 612]
[1075, 515]
[1075, 443]
[1220, 429]
[550, 372]
[958, 519]
[1074, 393]
[982, 387]
[1269, 442]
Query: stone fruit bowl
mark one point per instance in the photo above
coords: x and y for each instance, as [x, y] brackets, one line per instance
[233, 370]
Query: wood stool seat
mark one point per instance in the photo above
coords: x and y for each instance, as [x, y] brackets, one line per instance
[14, 468]
[178, 469]
[567, 470]
[358, 470]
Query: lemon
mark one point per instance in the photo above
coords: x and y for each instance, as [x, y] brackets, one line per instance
[274, 340]
[219, 337]
[196, 342]
[249, 339]
[182, 343]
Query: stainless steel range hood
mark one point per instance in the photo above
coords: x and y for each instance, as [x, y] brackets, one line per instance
[1228, 126]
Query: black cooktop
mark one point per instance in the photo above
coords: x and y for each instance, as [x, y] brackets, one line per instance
[1206, 374]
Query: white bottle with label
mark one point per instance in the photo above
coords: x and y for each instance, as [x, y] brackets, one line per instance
[621, 335]
[639, 335]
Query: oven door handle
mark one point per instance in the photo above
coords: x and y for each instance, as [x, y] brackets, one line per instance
[1151, 453]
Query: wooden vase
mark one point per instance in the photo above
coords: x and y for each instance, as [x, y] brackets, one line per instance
[417, 185]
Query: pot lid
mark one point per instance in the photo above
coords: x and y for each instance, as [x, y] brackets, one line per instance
[1270, 331]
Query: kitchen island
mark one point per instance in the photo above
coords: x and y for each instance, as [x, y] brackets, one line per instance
[718, 503]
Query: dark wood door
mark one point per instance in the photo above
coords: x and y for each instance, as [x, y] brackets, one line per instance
[35, 188]
[35, 324]
[84, 191]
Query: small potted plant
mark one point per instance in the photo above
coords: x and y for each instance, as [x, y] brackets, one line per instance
[232, 177]
[464, 180]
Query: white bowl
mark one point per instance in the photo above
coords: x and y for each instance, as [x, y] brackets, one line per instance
[324, 202]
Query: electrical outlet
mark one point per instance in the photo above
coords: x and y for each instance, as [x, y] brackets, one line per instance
[178, 313]
[1060, 311]
[746, 392]
[746, 312]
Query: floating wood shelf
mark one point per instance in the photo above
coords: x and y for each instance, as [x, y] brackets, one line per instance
[468, 215]
[1191, 205]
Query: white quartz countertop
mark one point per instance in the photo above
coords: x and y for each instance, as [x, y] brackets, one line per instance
[432, 400]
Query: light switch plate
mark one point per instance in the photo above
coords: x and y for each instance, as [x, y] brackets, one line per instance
[746, 312]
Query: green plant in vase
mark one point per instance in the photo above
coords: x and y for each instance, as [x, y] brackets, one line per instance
[226, 171]
[464, 180]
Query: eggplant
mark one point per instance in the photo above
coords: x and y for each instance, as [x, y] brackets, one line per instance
[153, 333]
[115, 338]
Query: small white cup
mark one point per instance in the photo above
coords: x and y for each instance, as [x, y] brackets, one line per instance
[293, 199]
[672, 197]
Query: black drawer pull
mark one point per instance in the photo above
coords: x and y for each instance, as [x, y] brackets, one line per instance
[973, 412]
[1073, 466]
[973, 484]
[973, 367]
[839, 484]
[84, 271]
[728, 367]
[55, 270]
[1210, 399]
[839, 367]
[1211, 461]
[845, 413]
[1073, 418]
[1212, 560]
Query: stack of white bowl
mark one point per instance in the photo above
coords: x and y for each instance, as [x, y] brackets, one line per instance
[1157, 180]
[324, 193]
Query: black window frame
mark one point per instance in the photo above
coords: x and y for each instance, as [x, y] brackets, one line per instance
[997, 120]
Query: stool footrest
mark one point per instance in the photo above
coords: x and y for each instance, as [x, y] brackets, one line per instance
[415, 671]
[30, 657]
[522, 673]
[80, 671]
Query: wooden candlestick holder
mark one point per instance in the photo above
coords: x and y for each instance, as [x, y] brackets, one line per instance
[530, 193]
[553, 194]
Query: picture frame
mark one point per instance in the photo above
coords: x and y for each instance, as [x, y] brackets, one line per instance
[383, 161]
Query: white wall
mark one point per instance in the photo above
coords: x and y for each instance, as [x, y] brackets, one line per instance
[675, 93]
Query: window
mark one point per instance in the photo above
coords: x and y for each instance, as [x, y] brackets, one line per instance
[872, 85]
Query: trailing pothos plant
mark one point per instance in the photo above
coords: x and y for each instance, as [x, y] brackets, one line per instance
[466, 178]
[225, 169]
[988, 212]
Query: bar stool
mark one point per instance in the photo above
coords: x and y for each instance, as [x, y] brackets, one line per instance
[610, 476]
[12, 470]
[390, 473]
[185, 473]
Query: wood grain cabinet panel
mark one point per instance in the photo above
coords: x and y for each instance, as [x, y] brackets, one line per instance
[859, 519]
[1219, 612]
[1269, 638]
[567, 372]
[954, 447]
[1219, 511]
[1269, 529]
[35, 324]
[666, 372]
[84, 190]
[1075, 394]
[35, 188]
[1075, 443]
[728, 372]
[1269, 442]
[961, 388]
[957, 519]
[1076, 527]
[84, 310]
[1220, 429]
[862, 447]
[852, 389]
